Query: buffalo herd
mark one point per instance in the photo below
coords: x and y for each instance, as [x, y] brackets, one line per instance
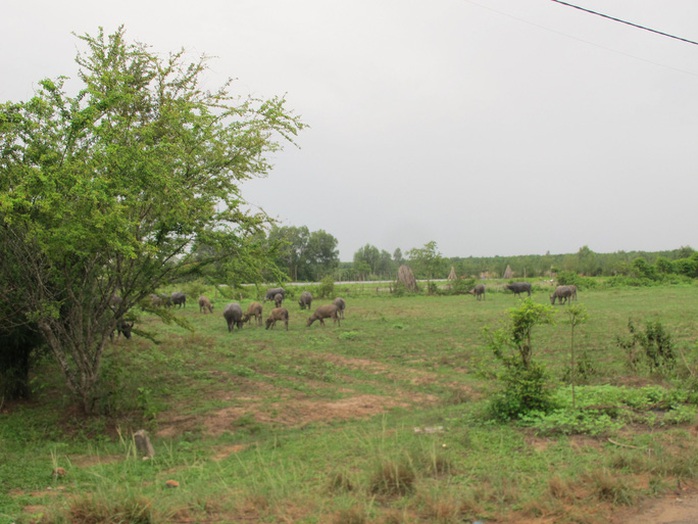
[236, 318]
[561, 294]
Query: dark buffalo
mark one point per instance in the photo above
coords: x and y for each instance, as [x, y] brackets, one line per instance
[573, 296]
[306, 300]
[519, 287]
[278, 299]
[563, 294]
[233, 315]
[478, 291]
[179, 299]
[341, 306]
[271, 293]
[122, 326]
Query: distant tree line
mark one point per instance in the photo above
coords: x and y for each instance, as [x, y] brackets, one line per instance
[298, 254]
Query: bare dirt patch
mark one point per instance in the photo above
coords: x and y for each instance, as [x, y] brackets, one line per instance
[264, 402]
[680, 507]
[300, 412]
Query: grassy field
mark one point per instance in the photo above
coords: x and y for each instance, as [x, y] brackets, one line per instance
[382, 419]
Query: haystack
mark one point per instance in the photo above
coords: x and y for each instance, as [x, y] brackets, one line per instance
[406, 277]
[452, 275]
[508, 273]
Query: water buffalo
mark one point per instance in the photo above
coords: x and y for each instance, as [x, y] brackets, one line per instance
[205, 304]
[341, 306]
[160, 300]
[573, 296]
[271, 293]
[326, 311]
[122, 328]
[233, 315]
[306, 300]
[278, 313]
[562, 294]
[278, 299]
[519, 287]
[478, 291]
[254, 310]
[179, 299]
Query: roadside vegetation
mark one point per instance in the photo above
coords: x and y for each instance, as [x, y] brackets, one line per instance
[405, 413]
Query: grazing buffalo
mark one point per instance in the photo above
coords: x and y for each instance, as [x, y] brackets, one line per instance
[122, 328]
[573, 296]
[519, 287]
[278, 313]
[341, 306]
[323, 312]
[271, 293]
[160, 300]
[233, 315]
[278, 299]
[205, 305]
[306, 300]
[478, 291]
[562, 294]
[179, 299]
[254, 310]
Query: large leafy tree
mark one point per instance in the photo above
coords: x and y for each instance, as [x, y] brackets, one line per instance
[289, 244]
[427, 261]
[108, 191]
[369, 260]
[322, 254]
[304, 255]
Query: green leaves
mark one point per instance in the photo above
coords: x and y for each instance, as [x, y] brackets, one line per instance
[108, 187]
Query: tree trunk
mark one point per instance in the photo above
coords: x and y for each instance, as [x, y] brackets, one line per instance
[79, 355]
[16, 347]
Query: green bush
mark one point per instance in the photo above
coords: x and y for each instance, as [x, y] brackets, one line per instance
[571, 422]
[460, 286]
[625, 281]
[656, 346]
[326, 288]
[525, 390]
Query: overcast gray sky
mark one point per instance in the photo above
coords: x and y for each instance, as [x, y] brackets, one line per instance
[492, 127]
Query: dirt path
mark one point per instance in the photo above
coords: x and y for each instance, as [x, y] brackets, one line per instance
[668, 510]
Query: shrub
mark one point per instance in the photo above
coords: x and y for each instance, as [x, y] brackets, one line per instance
[460, 286]
[568, 278]
[585, 369]
[656, 346]
[572, 422]
[525, 386]
[326, 287]
[525, 390]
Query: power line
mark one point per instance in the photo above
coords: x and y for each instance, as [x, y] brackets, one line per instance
[644, 28]
[588, 42]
